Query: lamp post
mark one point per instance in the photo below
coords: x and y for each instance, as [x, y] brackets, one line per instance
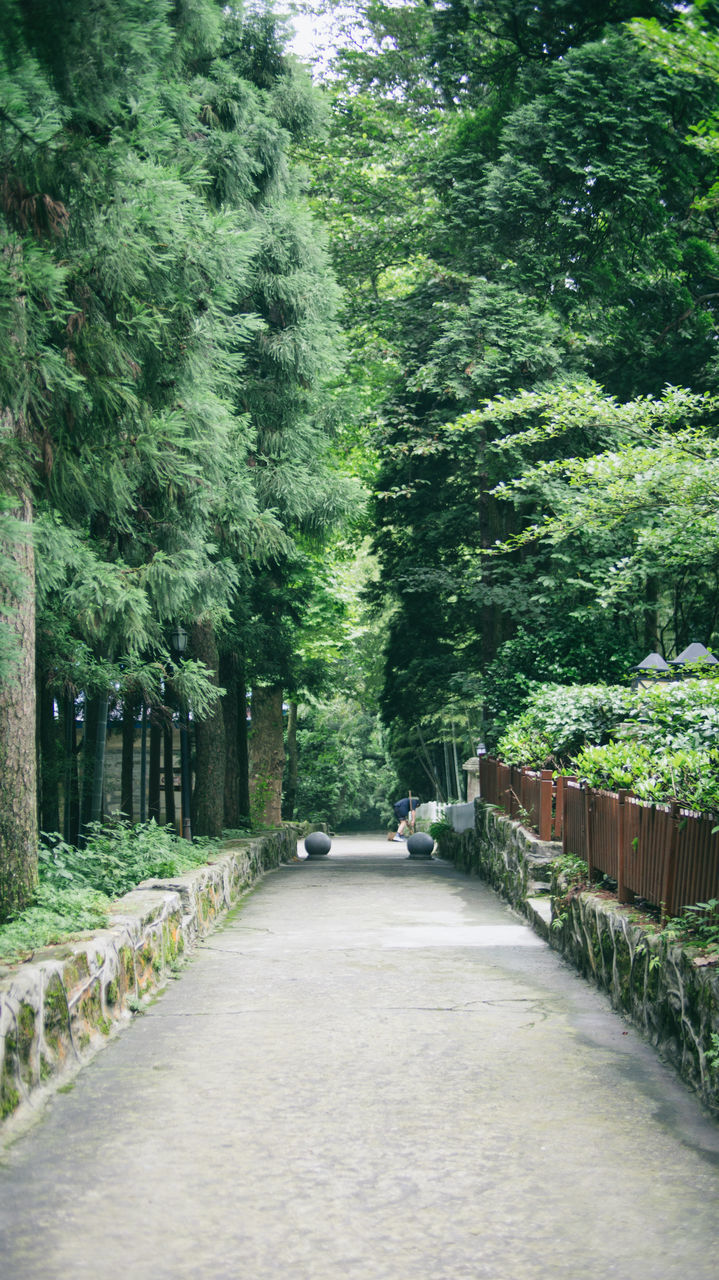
[179, 644]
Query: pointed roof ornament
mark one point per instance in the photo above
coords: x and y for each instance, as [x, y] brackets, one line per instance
[652, 662]
[695, 653]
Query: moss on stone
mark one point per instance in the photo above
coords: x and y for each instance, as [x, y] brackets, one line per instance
[9, 1099]
[92, 1004]
[626, 974]
[55, 1011]
[127, 966]
[26, 1029]
[76, 970]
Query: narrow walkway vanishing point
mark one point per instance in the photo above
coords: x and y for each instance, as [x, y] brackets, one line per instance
[373, 1071]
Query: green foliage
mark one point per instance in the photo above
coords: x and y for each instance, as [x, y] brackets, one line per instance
[666, 746]
[443, 827]
[683, 715]
[565, 652]
[658, 742]
[57, 913]
[689, 46]
[556, 235]
[258, 803]
[13, 534]
[697, 927]
[639, 510]
[570, 875]
[559, 720]
[119, 856]
[345, 775]
[168, 337]
[77, 886]
[688, 776]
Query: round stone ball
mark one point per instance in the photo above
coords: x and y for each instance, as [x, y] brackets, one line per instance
[317, 844]
[420, 845]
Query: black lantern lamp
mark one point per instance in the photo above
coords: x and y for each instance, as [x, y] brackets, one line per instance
[179, 638]
[649, 670]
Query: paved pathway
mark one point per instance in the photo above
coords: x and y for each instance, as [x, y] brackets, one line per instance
[374, 1071]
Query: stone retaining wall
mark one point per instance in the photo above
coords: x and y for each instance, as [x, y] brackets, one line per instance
[669, 993]
[59, 1008]
[514, 861]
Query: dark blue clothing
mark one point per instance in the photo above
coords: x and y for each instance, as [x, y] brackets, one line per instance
[401, 807]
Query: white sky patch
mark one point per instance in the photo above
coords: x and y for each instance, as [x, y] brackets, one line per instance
[315, 38]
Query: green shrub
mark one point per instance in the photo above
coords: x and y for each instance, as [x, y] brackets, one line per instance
[560, 720]
[56, 914]
[77, 886]
[659, 742]
[118, 856]
[698, 926]
[688, 776]
[681, 715]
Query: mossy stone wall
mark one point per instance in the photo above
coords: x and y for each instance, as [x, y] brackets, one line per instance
[56, 1010]
[511, 859]
[670, 993]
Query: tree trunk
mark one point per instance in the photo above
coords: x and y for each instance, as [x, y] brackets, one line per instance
[229, 673]
[143, 763]
[98, 780]
[153, 799]
[48, 765]
[208, 805]
[243, 747]
[93, 768]
[127, 776]
[71, 788]
[18, 768]
[185, 776]
[288, 804]
[169, 763]
[267, 756]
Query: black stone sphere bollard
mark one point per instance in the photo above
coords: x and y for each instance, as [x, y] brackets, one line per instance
[317, 844]
[420, 845]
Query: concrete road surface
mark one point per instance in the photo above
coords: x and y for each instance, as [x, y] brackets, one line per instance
[373, 1071]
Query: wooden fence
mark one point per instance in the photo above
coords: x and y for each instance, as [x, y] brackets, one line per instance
[662, 853]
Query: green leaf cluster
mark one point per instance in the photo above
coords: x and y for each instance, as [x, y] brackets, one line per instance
[77, 886]
[658, 742]
[560, 719]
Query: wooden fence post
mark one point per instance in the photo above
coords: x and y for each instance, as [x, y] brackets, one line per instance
[559, 808]
[545, 805]
[515, 787]
[669, 907]
[622, 895]
[588, 808]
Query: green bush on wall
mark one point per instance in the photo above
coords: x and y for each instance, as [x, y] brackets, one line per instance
[658, 741]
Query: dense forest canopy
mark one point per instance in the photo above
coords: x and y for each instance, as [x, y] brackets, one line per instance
[169, 340]
[395, 395]
[521, 209]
